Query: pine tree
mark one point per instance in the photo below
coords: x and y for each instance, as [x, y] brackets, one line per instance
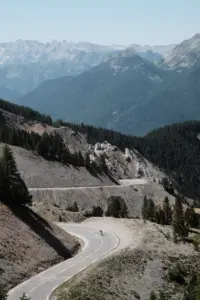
[73, 207]
[116, 207]
[179, 227]
[159, 216]
[87, 160]
[12, 187]
[150, 210]
[167, 212]
[144, 208]
[80, 159]
[191, 218]
[4, 180]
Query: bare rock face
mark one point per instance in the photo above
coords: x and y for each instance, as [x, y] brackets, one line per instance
[104, 147]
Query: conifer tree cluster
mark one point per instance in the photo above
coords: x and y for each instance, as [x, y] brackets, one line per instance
[13, 190]
[165, 215]
[26, 112]
[49, 146]
[117, 207]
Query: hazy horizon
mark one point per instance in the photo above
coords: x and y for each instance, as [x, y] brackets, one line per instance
[79, 41]
[106, 22]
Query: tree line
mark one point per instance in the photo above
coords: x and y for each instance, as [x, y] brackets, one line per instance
[93, 133]
[26, 112]
[98, 135]
[175, 149]
[49, 146]
[165, 214]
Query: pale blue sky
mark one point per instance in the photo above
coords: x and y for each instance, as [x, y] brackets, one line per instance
[100, 21]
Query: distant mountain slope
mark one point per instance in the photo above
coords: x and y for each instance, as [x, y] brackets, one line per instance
[162, 50]
[106, 95]
[177, 103]
[184, 54]
[25, 64]
[47, 90]
[127, 93]
[9, 93]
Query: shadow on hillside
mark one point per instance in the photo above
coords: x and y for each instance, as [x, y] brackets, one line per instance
[94, 172]
[39, 218]
[98, 173]
[41, 228]
[112, 178]
[54, 159]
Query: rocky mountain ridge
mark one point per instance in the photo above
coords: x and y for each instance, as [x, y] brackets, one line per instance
[185, 54]
[127, 92]
[25, 64]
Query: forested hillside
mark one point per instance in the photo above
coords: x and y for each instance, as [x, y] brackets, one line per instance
[50, 146]
[25, 112]
[175, 148]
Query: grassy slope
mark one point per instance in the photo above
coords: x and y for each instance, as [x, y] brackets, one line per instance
[38, 172]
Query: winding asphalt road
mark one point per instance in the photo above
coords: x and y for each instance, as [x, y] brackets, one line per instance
[41, 286]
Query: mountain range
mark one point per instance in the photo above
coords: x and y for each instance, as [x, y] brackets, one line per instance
[107, 94]
[130, 89]
[127, 93]
[25, 64]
